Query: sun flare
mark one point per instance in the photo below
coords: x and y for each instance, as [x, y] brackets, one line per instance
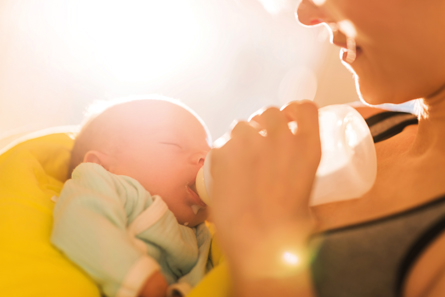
[131, 40]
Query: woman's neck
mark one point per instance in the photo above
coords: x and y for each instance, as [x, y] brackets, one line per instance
[431, 130]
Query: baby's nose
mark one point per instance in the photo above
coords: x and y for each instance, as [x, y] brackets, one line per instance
[198, 158]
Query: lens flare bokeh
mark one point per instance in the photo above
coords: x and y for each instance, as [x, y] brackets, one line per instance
[225, 59]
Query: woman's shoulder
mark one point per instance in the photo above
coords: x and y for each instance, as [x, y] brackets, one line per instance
[427, 277]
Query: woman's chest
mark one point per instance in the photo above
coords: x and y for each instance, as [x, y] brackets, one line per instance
[373, 258]
[403, 182]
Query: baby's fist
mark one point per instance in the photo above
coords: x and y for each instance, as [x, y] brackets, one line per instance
[155, 286]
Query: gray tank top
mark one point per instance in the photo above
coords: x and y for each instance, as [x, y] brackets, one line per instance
[372, 259]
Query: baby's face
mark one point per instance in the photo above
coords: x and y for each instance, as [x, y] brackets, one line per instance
[164, 154]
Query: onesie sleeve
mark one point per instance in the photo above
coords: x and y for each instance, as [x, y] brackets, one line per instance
[203, 265]
[90, 228]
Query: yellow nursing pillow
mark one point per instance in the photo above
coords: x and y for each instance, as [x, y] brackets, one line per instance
[31, 172]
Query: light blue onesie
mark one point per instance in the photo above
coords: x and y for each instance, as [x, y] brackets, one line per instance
[117, 232]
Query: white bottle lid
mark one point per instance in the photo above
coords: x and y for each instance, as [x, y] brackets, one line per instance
[348, 166]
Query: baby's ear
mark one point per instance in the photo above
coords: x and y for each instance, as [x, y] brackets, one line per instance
[98, 158]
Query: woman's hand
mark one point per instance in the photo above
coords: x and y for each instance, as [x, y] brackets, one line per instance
[262, 181]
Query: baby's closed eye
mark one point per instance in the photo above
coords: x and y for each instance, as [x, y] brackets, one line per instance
[171, 144]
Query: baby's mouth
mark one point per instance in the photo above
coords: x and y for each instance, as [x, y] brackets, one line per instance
[199, 204]
[193, 188]
[195, 208]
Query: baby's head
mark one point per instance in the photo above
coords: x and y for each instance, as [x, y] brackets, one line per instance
[159, 142]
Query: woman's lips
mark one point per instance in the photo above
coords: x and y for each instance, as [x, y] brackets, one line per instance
[344, 54]
[344, 51]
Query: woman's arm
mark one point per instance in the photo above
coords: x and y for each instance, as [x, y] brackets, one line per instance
[261, 190]
[427, 276]
[439, 287]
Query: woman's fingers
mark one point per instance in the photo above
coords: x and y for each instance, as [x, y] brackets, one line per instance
[262, 181]
[305, 114]
[298, 116]
[307, 142]
[244, 129]
[277, 163]
[262, 184]
[270, 121]
[241, 129]
[235, 159]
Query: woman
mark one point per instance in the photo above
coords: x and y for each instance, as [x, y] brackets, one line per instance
[390, 242]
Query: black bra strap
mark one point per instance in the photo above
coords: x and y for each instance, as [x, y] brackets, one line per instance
[389, 123]
[416, 250]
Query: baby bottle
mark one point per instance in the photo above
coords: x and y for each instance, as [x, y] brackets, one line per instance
[348, 165]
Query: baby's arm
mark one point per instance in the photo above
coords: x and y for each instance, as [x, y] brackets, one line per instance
[90, 227]
[185, 284]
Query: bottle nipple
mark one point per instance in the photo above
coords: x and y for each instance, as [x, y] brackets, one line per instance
[201, 186]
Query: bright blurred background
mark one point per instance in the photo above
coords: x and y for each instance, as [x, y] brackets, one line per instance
[225, 59]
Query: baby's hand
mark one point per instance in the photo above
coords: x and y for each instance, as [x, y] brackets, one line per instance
[155, 286]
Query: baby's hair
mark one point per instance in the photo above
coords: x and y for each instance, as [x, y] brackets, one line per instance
[103, 127]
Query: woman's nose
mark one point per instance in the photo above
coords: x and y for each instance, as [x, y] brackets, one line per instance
[309, 14]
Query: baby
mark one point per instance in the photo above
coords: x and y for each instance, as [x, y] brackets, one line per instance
[130, 216]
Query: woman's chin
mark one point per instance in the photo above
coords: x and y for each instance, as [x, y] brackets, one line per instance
[371, 95]
[379, 98]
